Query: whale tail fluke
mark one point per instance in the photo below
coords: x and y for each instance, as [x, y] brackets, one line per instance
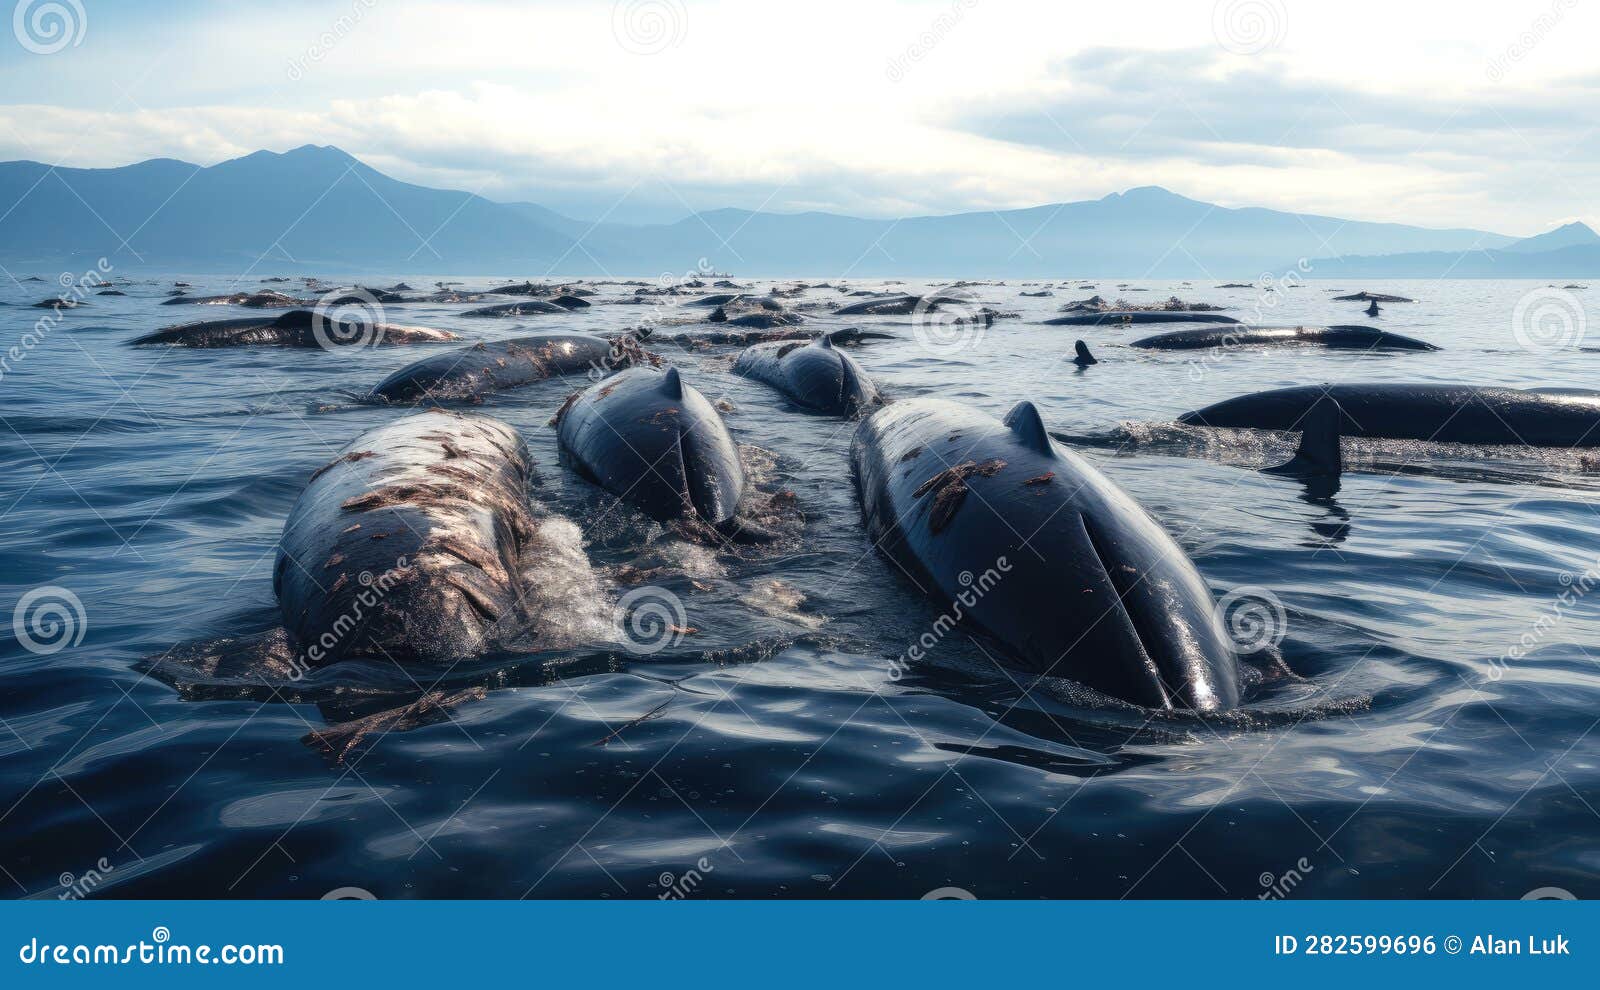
[1318, 455]
[1083, 358]
[1024, 421]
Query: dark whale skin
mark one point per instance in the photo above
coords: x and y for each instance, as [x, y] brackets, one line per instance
[1473, 414]
[1100, 593]
[817, 376]
[469, 372]
[522, 307]
[297, 328]
[1138, 316]
[1339, 336]
[406, 546]
[653, 440]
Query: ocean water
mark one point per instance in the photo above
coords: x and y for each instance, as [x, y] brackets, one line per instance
[1432, 737]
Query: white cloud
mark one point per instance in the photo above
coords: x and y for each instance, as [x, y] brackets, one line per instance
[800, 103]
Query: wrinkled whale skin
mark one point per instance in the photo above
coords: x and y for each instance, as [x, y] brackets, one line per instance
[1138, 316]
[522, 307]
[297, 328]
[468, 372]
[655, 441]
[406, 545]
[1339, 336]
[817, 376]
[1100, 593]
[1472, 414]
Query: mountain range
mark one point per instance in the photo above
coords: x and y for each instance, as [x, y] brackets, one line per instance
[320, 210]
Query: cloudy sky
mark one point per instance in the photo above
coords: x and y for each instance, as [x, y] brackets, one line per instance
[645, 109]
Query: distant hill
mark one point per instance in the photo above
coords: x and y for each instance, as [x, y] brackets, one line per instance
[1570, 251]
[318, 209]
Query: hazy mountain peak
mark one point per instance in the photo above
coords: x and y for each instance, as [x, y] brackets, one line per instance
[1574, 234]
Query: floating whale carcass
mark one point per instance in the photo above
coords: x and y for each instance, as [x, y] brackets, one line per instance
[1093, 589]
[522, 307]
[297, 328]
[816, 375]
[1472, 414]
[1341, 336]
[1118, 317]
[652, 439]
[469, 372]
[406, 545]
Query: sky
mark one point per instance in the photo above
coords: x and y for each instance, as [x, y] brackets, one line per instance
[1457, 115]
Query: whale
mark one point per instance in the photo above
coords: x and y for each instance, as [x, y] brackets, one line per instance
[522, 307]
[1339, 337]
[1092, 588]
[1470, 414]
[251, 300]
[469, 372]
[1081, 355]
[815, 376]
[406, 545]
[1117, 317]
[296, 328]
[652, 439]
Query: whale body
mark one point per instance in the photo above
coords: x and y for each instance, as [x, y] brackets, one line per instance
[1474, 414]
[652, 439]
[469, 372]
[406, 545]
[816, 375]
[1093, 588]
[296, 328]
[1342, 336]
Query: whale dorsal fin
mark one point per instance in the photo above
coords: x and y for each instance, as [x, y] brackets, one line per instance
[825, 341]
[1025, 422]
[672, 384]
[1318, 454]
[1084, 357]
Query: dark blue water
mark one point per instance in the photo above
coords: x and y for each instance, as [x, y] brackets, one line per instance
[769, 753]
